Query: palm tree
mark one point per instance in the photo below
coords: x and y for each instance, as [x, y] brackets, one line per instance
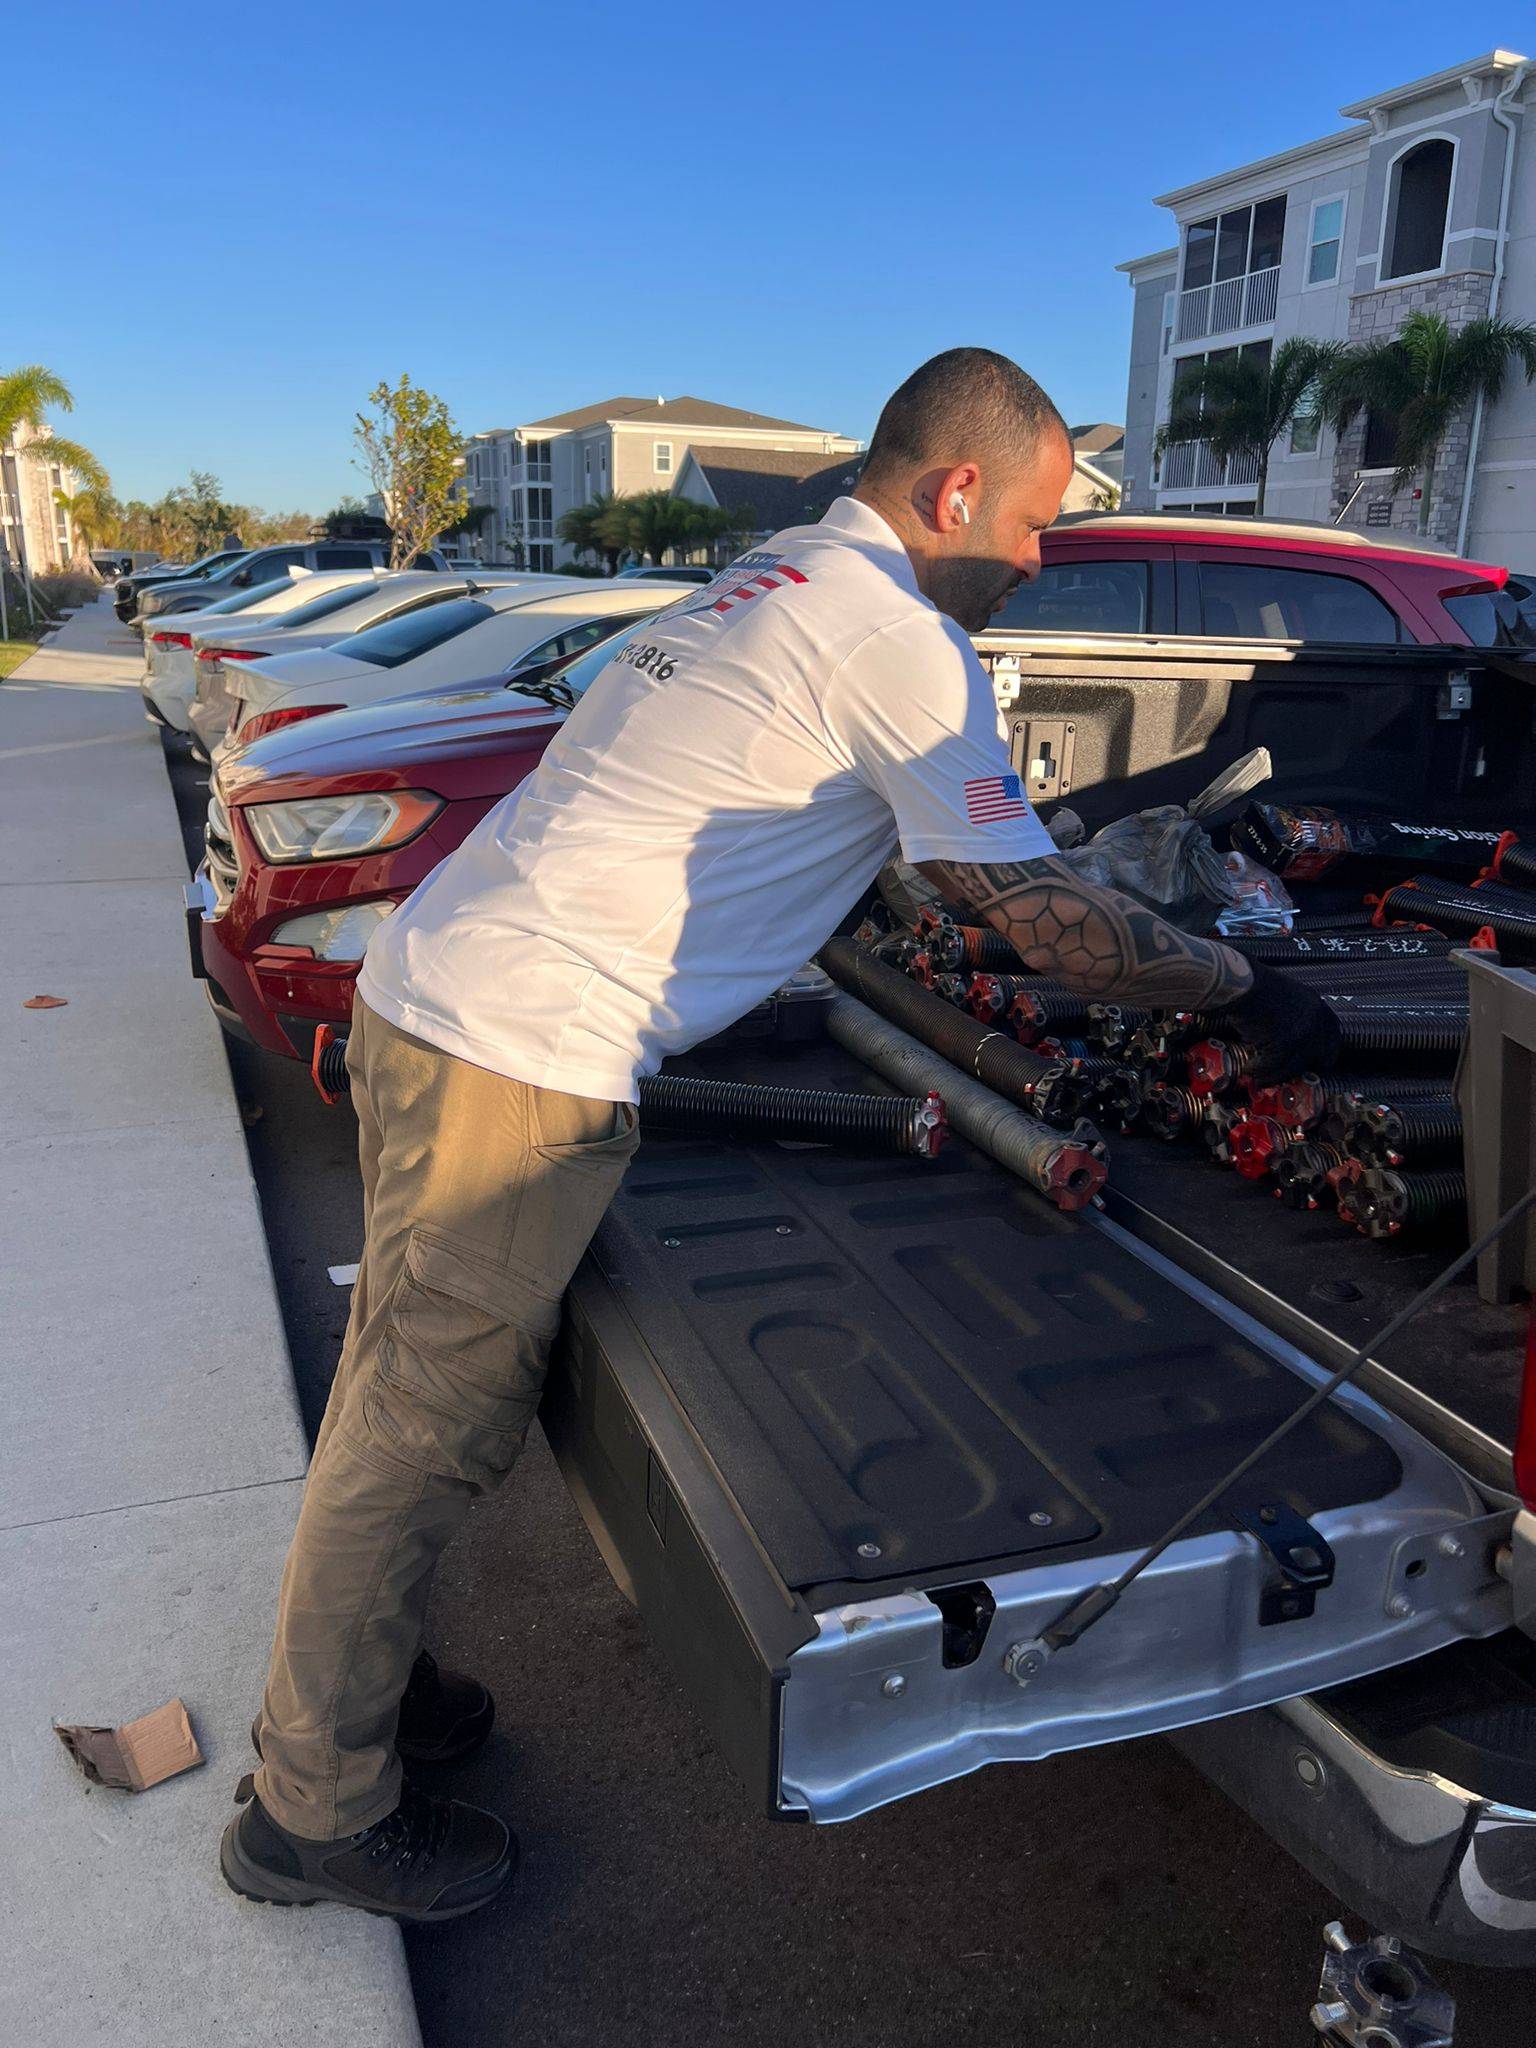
[1241, 402]
[91, 514]
[25, 396]
[599, 527]
[658, 521]
[1421, 379]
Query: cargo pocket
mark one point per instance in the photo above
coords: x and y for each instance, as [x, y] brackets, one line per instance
[461, 1363]
[567, 1189]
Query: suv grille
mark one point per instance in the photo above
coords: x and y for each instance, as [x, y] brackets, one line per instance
[219, 844]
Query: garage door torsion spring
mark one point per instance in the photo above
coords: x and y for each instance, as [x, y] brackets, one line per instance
[971, 945]
[1417, 1134]
[1461, 912]
[1383, 1203]
[1302, 1170]
[1171, 1112]
[1515, 862]
[1323, 950]
[1405, 1034]
[990, 995]
[912, 1125]
[1046, 1088]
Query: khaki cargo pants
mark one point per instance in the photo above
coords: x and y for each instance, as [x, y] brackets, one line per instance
[480, 1195]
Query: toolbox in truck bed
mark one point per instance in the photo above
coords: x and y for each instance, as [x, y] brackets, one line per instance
[847, 1428]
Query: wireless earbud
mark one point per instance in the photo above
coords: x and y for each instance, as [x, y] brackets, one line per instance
[957, 504]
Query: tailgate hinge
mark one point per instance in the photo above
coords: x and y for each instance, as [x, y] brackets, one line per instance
[1303, 1559]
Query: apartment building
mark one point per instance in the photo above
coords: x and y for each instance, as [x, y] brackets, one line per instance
[525, 477]
[35, 534]
[1427, 202]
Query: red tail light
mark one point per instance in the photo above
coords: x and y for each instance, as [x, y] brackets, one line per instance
[264, 722]
[233, 653]
[1525, 1433]
[171, 639]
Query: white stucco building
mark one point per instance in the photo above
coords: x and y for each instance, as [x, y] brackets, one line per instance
[35, 532]
[1427, 201]
[527, 476]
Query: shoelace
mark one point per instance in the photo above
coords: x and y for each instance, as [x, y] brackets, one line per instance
[413, 1833]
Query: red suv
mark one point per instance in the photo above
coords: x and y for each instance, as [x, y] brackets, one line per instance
[315, 834]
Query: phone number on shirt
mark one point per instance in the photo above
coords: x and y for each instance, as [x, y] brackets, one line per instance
[651, 661]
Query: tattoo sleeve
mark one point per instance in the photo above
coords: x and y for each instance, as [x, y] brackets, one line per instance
[1094, 939]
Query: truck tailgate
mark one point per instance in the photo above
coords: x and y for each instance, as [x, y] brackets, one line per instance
[847, 1428]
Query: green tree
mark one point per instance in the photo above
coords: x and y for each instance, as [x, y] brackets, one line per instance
[1421, 379]
[411, 451]
[658, 521]
[92, 515]
[26, 396]
[1240, 403]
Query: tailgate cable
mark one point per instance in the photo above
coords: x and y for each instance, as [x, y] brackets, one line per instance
[1079, 1616]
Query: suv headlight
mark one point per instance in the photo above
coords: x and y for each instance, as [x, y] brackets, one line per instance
[340, 827]
[339, 934]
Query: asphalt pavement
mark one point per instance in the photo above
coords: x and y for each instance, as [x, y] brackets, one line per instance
[1110, 1897]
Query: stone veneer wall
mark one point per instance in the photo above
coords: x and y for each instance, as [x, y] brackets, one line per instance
[1377, 316]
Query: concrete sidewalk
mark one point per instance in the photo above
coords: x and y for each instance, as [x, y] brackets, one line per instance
[151, 1455]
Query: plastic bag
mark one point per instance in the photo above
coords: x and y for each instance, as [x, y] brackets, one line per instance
[1263, 902]
[1163, 858]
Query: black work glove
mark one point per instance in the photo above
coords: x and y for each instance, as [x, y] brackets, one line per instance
[1291, 1030]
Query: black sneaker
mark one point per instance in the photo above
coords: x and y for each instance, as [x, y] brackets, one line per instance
[444, 1716]
[431, 1859]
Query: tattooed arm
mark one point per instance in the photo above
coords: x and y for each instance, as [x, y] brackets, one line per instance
[1093, 939]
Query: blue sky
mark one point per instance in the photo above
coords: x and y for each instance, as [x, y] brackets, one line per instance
[222, 226]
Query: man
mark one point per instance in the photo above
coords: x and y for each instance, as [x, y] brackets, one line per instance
[714, 805]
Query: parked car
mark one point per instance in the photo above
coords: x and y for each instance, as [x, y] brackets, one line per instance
[224, 659]
[169, 681]
[692, 572]
[298, 872]
[129, 588]
[490, 630]
[1252, 579]
[261, 565]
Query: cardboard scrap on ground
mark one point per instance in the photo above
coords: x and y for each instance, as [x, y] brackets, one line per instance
[46, 1003]
[138, 1754]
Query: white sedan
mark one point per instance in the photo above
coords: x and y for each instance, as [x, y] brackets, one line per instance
[220, 656]
[170, 676]
[489, 632]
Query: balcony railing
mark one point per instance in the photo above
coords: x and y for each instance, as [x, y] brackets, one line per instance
[1232, 303]
[1191, 466]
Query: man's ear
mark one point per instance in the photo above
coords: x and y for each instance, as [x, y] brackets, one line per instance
[955, 505]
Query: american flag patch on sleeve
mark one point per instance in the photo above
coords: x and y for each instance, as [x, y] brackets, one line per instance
[993, 798]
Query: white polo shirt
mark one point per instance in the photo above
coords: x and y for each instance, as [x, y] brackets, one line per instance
[712, 808]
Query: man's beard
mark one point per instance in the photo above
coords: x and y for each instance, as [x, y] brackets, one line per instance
[967, 588]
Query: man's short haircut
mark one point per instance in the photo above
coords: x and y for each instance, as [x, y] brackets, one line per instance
[965, 402]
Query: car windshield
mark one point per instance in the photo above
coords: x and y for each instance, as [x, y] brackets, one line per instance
[206, 564]
[1498, 618]
[243, 598]
[329, 601]
[401, 640]
[575, 677]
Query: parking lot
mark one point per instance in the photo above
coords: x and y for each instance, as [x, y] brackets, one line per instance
[1105, 1897]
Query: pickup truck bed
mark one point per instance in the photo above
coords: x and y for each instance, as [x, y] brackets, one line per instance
[1454, 1372]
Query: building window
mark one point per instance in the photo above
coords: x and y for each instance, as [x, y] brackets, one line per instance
[1419, 197]
[1324, 241]
[1232, 244]
[1305, 432]
[541, 558]
[515, 507]
[663, 458]
[536, 455]
[1170, 301]
[1380, 451]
